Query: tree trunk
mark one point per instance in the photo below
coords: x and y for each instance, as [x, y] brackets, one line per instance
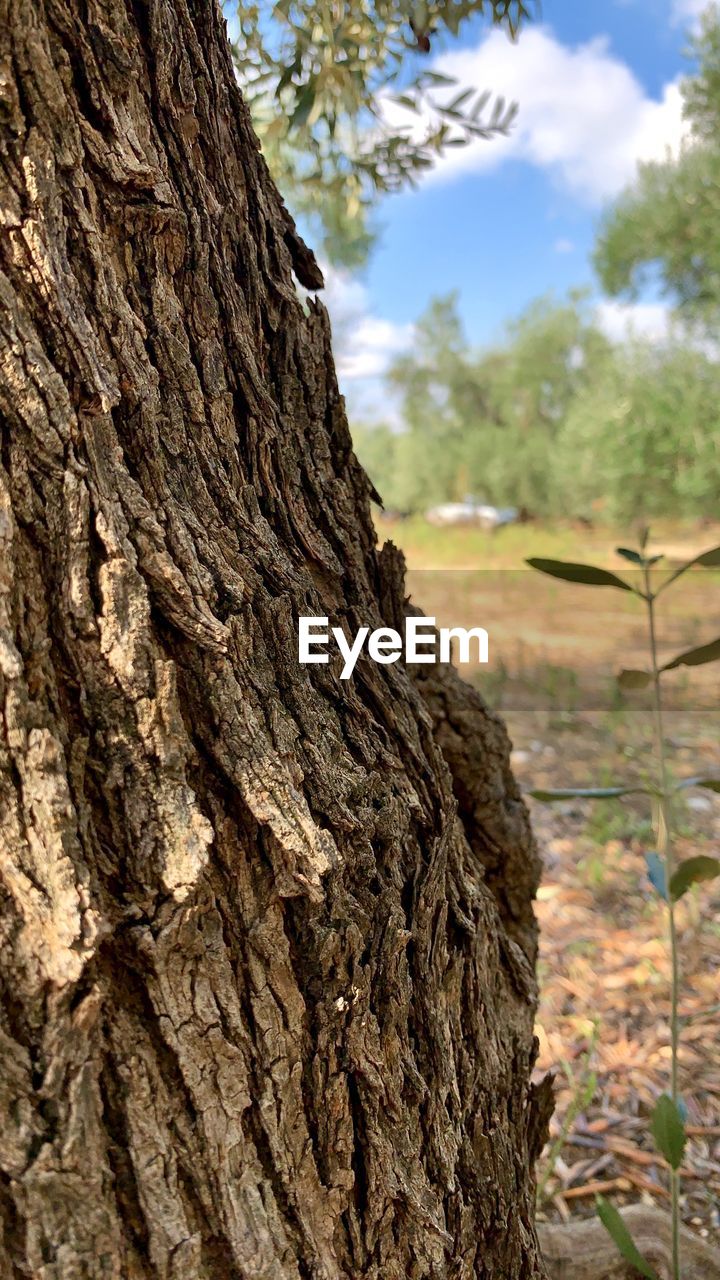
[264, 1015]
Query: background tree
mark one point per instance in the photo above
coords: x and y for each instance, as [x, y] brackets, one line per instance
[557, 419]
[641, 440]
[267, 985]
[665, 226]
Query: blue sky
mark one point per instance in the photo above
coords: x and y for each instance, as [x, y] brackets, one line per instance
[504, 221]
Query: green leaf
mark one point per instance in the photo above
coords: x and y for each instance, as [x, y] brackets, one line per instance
[635, 558]
[587, 574]
[480, 104]
[405, 101]
[285, 78]
[707, 559]
[693, 871]
[588, 793]
[633, 679]
[710, 784]
[668, 1130]
[305, 104]
[460, 100]
[616, 1228]
[695, 657]
[657, 873]
[435, 77]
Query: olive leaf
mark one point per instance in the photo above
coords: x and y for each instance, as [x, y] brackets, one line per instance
[668, 1130]
[588, 793]
[633, 556]
[657, 873]
[587, 574]
[630, 678]
[693, 871]
[698, 780]
[616, 1228]
[707, 559]
[695, 657]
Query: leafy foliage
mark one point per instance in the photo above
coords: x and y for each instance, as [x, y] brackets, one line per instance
[667, 221]
[644, 434]
[555, 419]
[344, 108]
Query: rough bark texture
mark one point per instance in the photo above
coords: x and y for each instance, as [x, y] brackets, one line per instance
[263, 1013]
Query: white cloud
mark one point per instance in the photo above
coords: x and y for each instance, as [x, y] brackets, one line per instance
[585, 119]
[688, 12]
[624, 320]
[584, 116]
[654, 322]
[364, 345]
[372, 345]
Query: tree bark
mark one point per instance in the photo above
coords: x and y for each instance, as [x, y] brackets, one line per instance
[266, 936]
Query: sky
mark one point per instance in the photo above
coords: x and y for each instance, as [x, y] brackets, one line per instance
[508, 220]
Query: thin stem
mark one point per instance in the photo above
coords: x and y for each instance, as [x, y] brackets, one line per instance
[665, 849]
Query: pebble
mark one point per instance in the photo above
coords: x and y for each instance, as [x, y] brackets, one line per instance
[569, 809]
[700, 804]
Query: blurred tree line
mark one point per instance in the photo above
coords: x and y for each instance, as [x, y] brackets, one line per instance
[558, 419]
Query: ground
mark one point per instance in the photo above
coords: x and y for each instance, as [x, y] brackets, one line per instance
[603, 1020]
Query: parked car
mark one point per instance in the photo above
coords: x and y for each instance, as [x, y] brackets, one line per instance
[470, 512]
